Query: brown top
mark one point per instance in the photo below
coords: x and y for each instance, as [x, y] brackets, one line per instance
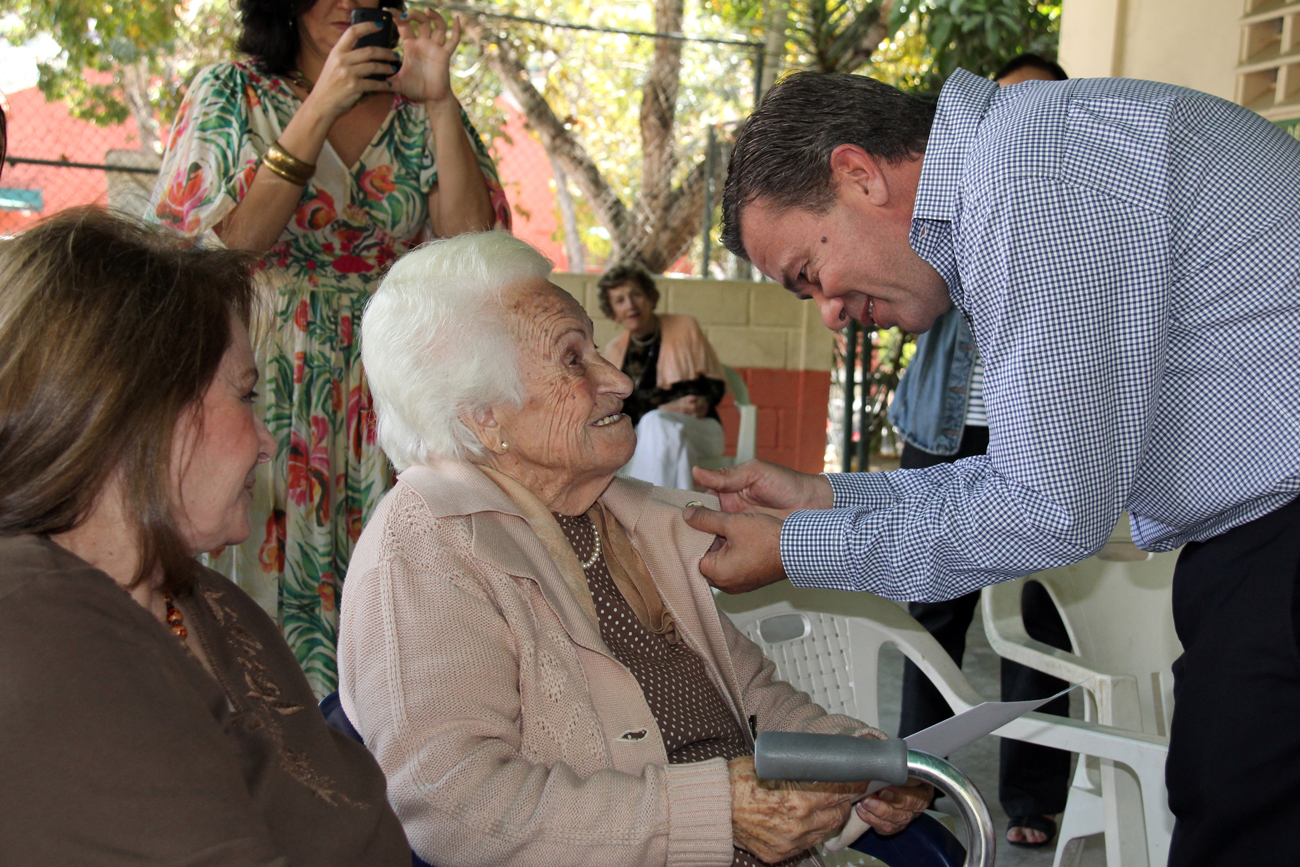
[121, 749]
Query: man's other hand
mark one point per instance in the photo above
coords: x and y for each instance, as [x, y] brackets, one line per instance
[757, 486]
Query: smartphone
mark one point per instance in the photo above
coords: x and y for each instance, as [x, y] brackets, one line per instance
[384, 38]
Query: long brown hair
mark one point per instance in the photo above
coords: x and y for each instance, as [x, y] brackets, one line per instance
[109, 330]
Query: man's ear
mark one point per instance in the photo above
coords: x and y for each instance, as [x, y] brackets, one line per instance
[858, 173]
[485, 426]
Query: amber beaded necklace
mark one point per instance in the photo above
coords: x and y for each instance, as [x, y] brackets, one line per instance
[175, 619]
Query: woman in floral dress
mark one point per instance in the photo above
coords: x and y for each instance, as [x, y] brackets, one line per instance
[298, 153]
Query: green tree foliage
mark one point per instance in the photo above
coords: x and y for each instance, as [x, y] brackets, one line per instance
[593, 97]
[123, 58]
[981, 35]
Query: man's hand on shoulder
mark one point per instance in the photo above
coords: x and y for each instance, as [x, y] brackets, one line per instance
[745, 555]
[757, 486]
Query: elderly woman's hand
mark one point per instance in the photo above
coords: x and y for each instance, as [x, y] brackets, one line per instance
[777, 820]
[893, 807]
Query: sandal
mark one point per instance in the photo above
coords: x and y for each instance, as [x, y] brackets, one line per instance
[1042, 824]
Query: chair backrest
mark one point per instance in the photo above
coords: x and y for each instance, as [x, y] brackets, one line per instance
[736, 384]
[1117, 610]
[332, 709]
[747, 435]
[827, 643]
[830, 648]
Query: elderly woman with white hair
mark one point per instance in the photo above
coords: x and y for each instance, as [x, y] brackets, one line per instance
[527, 645]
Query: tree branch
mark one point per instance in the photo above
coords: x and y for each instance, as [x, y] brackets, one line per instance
[559, 141]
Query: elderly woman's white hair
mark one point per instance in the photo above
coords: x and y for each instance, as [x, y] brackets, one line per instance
[435, 344]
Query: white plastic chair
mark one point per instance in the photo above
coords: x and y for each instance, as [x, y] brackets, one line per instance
[827, 643]
[747, 438]
[1116, 608]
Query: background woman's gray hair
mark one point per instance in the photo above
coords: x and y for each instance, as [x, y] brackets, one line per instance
[435, 344]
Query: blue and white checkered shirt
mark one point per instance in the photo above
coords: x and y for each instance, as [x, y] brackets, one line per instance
[1128, 256]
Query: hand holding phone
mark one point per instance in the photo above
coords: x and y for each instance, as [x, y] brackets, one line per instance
[385, 37]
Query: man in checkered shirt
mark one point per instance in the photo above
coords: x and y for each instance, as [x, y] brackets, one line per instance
[1127, 255]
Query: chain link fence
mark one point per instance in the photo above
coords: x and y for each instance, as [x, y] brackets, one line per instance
[603, 156]
[56, 161]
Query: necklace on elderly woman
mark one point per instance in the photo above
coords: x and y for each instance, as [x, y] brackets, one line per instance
[175, 619]
[595, 554]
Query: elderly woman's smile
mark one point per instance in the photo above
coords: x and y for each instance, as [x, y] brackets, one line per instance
[570, 435]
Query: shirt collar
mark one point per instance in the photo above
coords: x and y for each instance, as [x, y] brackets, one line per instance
[963, 102]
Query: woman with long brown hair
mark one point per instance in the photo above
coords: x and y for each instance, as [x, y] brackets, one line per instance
[153, 713]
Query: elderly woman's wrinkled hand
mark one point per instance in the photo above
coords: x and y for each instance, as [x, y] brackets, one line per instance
[775, 820]
[893, 807]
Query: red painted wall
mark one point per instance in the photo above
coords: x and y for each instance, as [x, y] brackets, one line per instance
[47, 131]
[791, 416]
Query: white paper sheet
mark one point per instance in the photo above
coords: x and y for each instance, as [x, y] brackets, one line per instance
[944, 739]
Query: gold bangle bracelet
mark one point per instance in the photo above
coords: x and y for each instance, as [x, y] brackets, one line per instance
[287, 166]
[293, 179]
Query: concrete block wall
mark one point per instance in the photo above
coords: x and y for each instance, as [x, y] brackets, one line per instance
[776, 342]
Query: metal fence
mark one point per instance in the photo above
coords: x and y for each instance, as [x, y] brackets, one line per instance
[868, 364]
[627, 201]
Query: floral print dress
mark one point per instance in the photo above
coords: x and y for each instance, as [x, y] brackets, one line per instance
[328, 473]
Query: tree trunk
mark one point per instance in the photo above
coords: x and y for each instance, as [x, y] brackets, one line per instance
[658, 117]
[776, 18]
[573, 249]
[559, 142]
[135, 91]
[661, 225]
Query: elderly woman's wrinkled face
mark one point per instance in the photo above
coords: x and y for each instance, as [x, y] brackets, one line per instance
[571, 426]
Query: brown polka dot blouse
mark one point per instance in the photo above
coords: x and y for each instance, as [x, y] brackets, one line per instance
[694, 719]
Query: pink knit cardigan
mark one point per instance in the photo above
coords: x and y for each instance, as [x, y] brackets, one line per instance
[508, 732]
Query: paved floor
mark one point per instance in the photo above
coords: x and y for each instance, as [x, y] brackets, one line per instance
[980, 760]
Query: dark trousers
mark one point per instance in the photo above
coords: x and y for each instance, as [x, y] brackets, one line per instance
[1234, 752]
[1032, 779]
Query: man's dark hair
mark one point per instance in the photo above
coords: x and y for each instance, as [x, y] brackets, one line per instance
[622, 274]
[1034, 61]
[783, 153]
[269, 30]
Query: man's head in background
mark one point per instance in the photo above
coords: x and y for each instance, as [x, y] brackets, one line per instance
[1029, 67]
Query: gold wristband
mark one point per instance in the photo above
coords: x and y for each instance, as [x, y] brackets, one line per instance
[287, 166]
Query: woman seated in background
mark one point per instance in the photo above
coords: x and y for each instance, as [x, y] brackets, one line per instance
[677, 380]
[153, 714]
[527, 645]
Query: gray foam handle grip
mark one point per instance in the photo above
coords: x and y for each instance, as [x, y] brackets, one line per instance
[829, 758]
